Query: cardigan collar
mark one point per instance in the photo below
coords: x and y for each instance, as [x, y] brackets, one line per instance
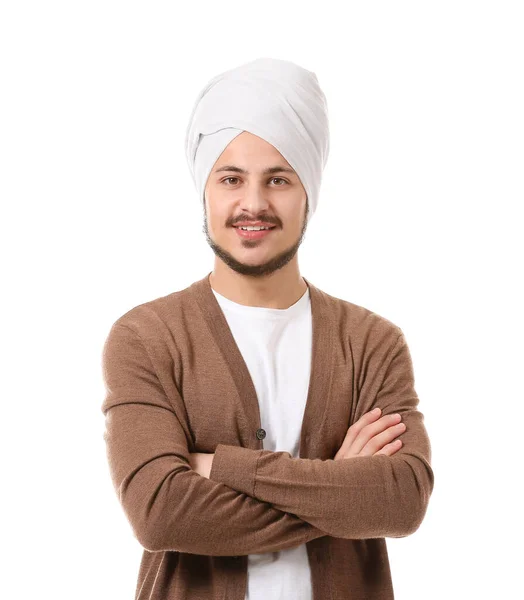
[321, 362]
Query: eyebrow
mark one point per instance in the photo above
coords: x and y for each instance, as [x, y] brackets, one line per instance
[268, 171]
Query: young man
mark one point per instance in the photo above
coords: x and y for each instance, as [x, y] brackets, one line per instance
[263, 436]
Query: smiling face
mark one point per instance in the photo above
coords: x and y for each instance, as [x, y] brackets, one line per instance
[252, 182]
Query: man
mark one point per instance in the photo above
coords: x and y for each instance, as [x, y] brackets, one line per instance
[263, 436]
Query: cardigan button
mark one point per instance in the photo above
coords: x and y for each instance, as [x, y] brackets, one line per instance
[261, 434]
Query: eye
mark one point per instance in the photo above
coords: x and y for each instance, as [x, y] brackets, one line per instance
[227, 179]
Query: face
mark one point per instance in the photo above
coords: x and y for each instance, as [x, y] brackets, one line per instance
[241, 188]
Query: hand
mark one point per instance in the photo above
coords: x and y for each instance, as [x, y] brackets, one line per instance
[369, 436]
[201, 462]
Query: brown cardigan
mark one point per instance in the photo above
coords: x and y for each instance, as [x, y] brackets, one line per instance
[177, 383]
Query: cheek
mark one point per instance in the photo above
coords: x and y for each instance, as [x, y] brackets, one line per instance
[217, 222]
[295, 217]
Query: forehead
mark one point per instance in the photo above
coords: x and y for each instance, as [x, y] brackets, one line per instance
[248, 152]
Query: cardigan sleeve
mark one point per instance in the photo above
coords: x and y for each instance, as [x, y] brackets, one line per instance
[360, 497]
[168, 505]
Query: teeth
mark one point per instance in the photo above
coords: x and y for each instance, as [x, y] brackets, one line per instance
[254, 228]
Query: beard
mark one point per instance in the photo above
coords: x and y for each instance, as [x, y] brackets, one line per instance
[266, 268]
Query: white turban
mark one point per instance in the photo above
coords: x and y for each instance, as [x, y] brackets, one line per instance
[275, 100]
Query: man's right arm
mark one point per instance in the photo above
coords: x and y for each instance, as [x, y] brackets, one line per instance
[168, 505]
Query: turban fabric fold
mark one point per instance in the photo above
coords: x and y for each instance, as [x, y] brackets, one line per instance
[276, 100]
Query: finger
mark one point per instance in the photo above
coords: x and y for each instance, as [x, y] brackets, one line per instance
[357, 427]
[370, 431]
[390, 448]
[381, 439]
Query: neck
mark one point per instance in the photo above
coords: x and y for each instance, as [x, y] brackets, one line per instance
[280, 289]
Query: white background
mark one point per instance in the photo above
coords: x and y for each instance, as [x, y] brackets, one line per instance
[418, 220]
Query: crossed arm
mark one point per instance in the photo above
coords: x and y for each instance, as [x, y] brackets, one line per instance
[168, 505]
[371, 434]
[254, 501]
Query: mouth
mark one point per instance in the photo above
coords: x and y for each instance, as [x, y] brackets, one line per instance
[253, 235]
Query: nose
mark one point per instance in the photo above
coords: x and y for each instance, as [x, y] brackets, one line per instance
[253, 199]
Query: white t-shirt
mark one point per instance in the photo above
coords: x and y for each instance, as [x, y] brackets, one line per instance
[276, 345]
